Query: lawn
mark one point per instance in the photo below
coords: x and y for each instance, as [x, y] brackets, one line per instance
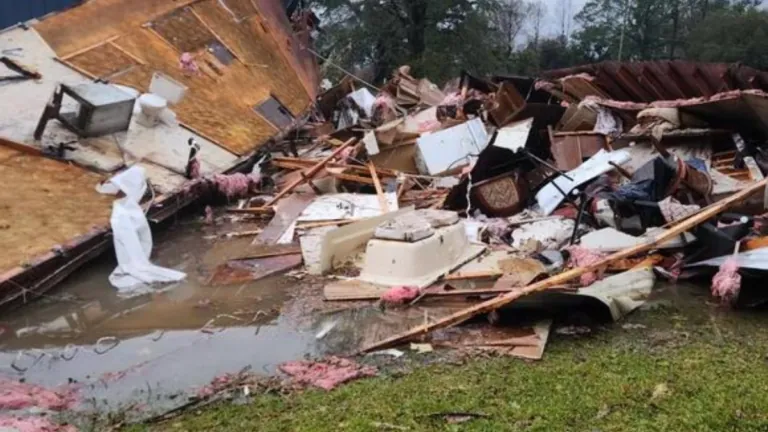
[685, 365]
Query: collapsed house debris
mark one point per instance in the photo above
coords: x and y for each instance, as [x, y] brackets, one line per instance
[503, 197]
[586, 188]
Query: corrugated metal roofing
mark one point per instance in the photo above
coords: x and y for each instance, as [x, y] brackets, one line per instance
[655, 80]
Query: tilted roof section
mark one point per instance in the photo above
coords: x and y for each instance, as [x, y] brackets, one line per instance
[245, 52]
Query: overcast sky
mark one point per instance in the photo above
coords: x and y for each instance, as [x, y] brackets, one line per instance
[554, 8]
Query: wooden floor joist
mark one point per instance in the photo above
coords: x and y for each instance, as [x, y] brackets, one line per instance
[562, 278]
[310, 172]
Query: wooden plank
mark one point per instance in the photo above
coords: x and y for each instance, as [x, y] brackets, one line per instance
[562, 278]
[473, 275]
[379, 191]
[351, 177]
[310, 173]
[297, 163]
[285, 214]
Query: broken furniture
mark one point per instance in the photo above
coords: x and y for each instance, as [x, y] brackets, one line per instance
[102, 109]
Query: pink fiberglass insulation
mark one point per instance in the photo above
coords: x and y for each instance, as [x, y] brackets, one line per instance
[326, 374]
[235, 185]
[727, 282]
[188, 64]
[400, 295]
[218, 384]
[33, 424]
[345, 155]
[209, 216]
[16, 395]
[583, 257]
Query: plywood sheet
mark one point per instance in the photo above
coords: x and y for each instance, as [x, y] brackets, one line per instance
[182, 29]
[103, 61]
[216, 106]
[260, 53]
[95, 21]
[44, 203]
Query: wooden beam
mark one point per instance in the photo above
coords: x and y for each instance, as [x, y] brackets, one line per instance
[379, 191]
[352, 177]
[310, 173]
[562, 278]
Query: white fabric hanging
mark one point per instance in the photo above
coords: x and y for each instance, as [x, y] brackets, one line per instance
[131, 234]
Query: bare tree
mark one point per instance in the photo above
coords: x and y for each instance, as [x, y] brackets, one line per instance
[509, 19]
[537, 14]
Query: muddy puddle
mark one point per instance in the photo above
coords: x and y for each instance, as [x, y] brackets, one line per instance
[151, 351]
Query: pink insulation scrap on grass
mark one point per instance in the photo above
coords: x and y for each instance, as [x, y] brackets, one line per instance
[33, 424]
[16, 395]
[326, 374]
[583, 257]
[217, 385]
[400, 295]
[727, 282]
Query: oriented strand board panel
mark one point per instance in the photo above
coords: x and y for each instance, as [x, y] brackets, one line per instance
[95, 21]
[220, 100]
[216, 106]
[103, 61]
[258, 50]
[239, 9]
[182, 29]
[44, 203]
[274, 17]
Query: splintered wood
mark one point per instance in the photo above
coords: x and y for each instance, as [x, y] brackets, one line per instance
[562, 278]
[44, 204]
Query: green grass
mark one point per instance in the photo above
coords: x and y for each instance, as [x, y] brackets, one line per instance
[692, 368]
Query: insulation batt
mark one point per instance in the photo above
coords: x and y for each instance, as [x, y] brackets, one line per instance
[583, 257]
[400, 295]
[235, 185]
[32, 424]
[16, 395]
[327, 374]
[727, 282]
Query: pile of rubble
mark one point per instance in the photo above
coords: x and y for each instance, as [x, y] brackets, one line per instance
[587, 184]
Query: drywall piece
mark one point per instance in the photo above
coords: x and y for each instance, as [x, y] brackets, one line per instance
[364, 99]
[371, 145]
[418, 264]
[450, 148]
[612, 240]
[515, 136]
[551, 233]
[551, 195]
[346, 206]
[341, 242]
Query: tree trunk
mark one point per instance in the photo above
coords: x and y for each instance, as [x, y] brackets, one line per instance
[417, 30]
[675, 28]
